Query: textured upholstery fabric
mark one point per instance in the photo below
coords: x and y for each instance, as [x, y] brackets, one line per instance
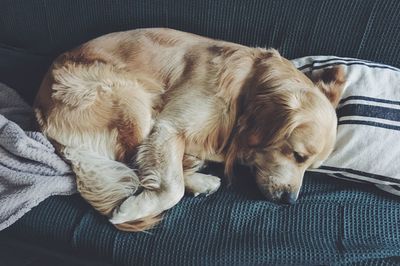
[367, 29]
[358, 28]
[333, 222]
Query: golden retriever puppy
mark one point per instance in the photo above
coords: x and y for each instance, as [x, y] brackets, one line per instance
[136, 114]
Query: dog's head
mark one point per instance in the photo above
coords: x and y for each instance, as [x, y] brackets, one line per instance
[286, 124]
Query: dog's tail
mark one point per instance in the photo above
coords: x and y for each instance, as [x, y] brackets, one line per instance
[103, 182]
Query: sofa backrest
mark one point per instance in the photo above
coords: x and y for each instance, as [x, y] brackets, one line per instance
[367, 29]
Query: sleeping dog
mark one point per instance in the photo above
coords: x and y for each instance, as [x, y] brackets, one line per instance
[136, 114]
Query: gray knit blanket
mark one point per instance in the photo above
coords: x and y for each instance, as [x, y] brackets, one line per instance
[30, 170]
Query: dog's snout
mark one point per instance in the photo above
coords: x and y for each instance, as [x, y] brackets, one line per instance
[289, 197]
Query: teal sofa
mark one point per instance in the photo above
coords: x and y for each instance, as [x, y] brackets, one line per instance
[335, 222]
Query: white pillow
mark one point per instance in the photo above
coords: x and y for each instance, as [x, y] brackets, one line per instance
[368, 140]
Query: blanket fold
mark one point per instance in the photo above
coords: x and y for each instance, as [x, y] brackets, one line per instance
[30, 170]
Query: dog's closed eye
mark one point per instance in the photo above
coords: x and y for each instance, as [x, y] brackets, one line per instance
[300, 158]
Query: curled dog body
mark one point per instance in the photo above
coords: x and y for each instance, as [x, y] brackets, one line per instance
[136, 113]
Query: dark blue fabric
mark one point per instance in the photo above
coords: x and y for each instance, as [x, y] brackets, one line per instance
[333, 222]
[367, 29]
[369, 111]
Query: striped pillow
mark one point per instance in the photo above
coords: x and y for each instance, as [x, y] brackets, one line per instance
[368, 141]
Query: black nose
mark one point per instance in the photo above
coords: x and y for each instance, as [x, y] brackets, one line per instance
[289, 198]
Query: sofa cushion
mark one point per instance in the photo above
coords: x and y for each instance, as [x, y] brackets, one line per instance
[367, 146]
[334, 222]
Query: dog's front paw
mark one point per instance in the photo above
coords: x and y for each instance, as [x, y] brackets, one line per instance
[199, 183]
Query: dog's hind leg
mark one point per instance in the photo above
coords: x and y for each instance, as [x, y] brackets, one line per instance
[159, 158]
[96, 118]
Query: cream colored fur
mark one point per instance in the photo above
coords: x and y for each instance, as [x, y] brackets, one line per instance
[137, 113]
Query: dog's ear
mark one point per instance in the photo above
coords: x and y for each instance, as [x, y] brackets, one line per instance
[270, 123]
[330, 81]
